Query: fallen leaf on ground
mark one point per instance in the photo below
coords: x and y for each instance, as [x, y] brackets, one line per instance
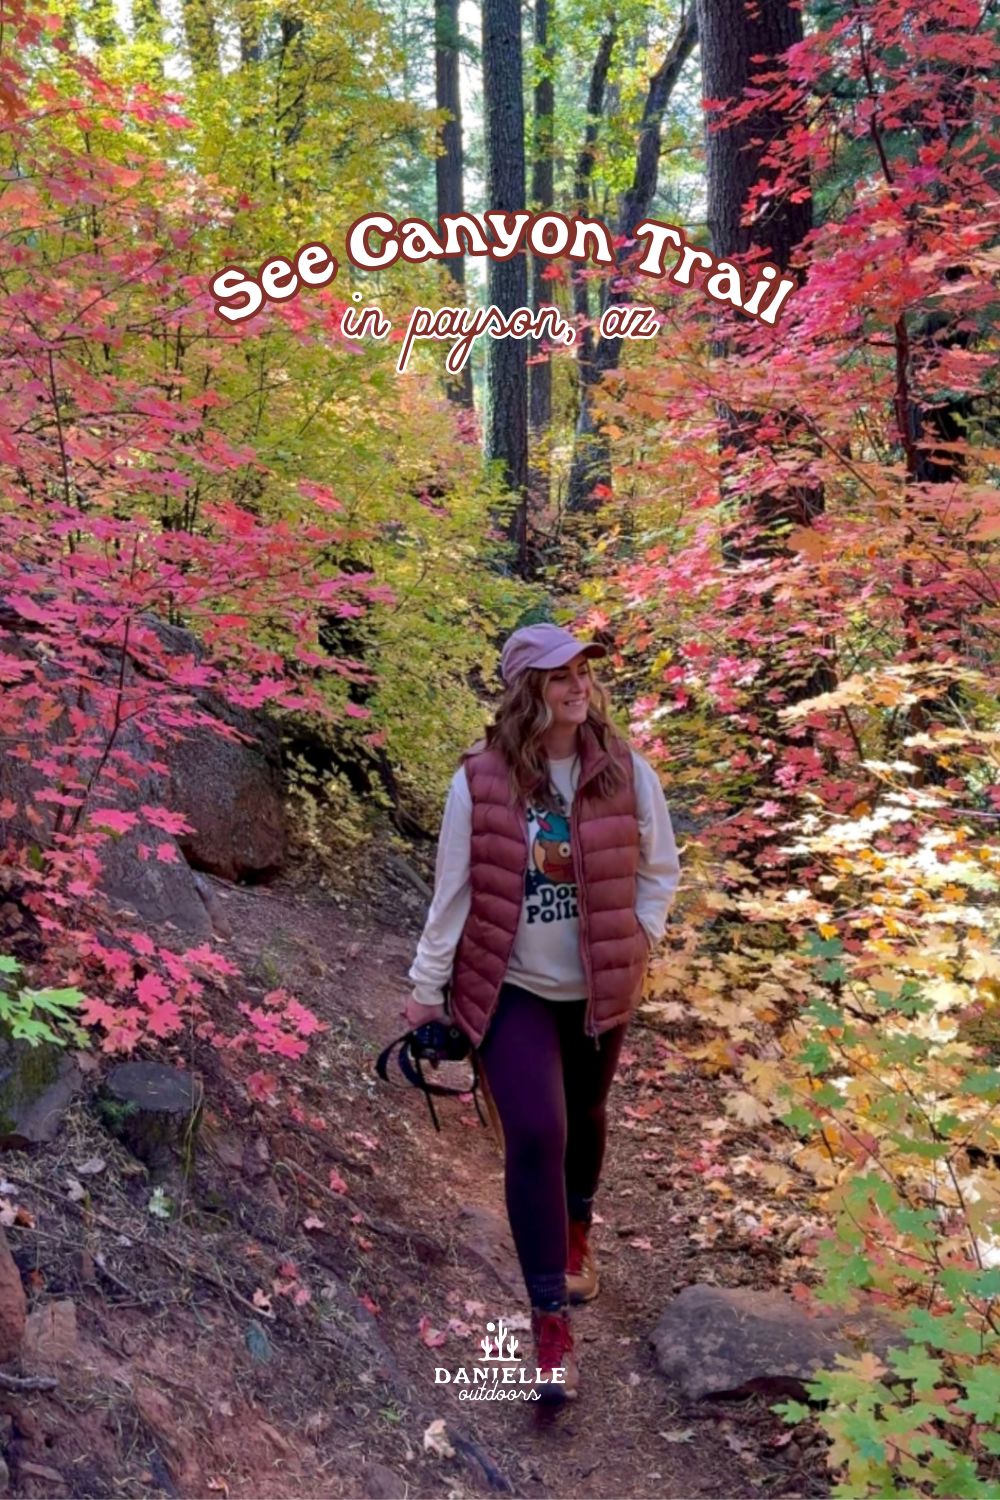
[643, 1111]
[432, 1337]
[372, 1307]
[678, 1435]
[641, 1244]
[458, 1328]
[262, 1300]
[776, 1177]
[475, 1309]
[748, 1110]
[92, 1167]
[311, 1221]
[436, 1441]
[337, 1183]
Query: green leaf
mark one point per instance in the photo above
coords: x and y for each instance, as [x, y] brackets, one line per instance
[813, 946]
[817, 1057]
[793, 1412]
[955, 1478]
[916, 1364]
[801, 1120]
[986, 1283]
[981, 1084]
[982, 1394]
[949, 1333]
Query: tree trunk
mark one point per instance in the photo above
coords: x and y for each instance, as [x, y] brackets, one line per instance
[101, 24]
[291, 112]
[737, 43]
[543, 198]
[201, 37]
[156, 1110]
[591, 453]
[507, 280]
[584, 456]
[147, 26]
[581, 195]
[448, 166]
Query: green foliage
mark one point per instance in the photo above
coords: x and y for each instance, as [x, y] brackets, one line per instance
[114, 1112]
[36, 1016]
[910, 1135]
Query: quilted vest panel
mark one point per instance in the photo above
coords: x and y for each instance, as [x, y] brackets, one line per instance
[604, 833]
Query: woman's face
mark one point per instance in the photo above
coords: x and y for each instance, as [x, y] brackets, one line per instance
[567, 691]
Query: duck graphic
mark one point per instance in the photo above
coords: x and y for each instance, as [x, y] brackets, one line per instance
[551, 851]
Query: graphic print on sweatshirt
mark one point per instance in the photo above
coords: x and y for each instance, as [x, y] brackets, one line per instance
[549, 882]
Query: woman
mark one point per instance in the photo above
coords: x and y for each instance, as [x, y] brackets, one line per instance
[556, 868]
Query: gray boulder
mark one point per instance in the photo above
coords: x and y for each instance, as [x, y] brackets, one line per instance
[36, 1087]
[223, 776]
[731, 1341]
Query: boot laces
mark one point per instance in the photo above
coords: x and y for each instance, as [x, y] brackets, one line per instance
[578, 1248]
[554, 1339]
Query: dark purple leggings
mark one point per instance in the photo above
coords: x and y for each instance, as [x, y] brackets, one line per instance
[550, 1084]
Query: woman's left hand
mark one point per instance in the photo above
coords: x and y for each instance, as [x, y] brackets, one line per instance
[418, 1015]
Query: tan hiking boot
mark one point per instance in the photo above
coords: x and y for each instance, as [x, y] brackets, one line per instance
[582, 1284]
[554, 1356]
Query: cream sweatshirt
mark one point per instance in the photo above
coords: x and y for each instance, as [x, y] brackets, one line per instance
[546, 955]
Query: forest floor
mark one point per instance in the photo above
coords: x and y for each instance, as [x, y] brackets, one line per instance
[278, 1337]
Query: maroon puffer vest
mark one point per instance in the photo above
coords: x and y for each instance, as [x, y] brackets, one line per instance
[604, 833]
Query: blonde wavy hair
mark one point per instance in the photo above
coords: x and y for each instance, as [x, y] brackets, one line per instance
[517, 731]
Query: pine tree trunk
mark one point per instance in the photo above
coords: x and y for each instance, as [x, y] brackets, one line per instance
[147, 24]
[543, 198]
[448, 167]
[738, 42]
[732, 33]
[201, 37]
[506, 421]
[591, 464]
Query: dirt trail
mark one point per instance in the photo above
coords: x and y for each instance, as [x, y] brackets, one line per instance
[625, 1435]
[271, 1342]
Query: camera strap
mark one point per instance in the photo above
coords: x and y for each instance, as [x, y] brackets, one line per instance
[410, 1059]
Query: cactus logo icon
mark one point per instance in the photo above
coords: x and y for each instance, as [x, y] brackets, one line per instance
[500, 1373]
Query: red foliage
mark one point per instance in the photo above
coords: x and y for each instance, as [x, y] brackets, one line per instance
[107, 454]
[876, 394]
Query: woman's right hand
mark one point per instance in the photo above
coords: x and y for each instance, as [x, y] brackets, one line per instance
[418, 1015]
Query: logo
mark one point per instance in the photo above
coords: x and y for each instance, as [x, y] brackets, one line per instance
[500, 1374]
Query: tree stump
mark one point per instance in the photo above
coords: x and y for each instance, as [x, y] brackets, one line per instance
[156, 1112]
